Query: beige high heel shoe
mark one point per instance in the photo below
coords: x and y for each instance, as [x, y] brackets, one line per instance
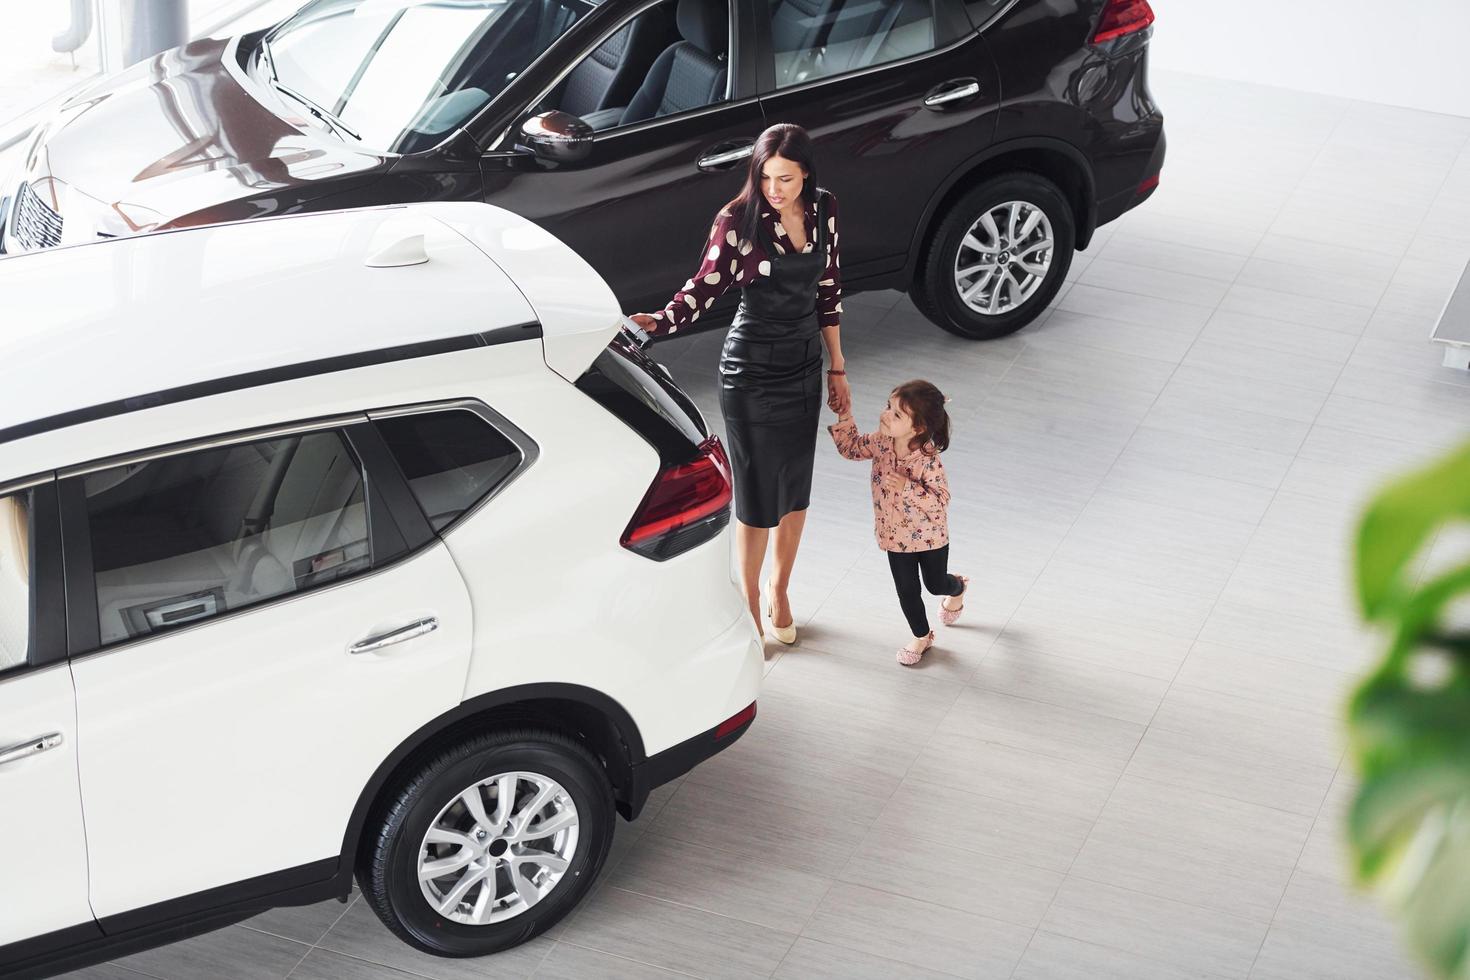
[786, 634]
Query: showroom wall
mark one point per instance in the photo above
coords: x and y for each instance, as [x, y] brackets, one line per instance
[1407, 53]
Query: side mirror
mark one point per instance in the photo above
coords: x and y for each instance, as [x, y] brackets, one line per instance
[558, 136]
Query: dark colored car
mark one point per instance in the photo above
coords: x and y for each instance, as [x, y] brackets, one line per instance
[974, 143]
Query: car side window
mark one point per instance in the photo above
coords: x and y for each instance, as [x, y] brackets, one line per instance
[813, 39]
[15, 579]
[187, 537]
[451, 459]
[669, 59]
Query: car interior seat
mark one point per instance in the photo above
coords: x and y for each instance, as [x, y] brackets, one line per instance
[691, 72]
[599, 89]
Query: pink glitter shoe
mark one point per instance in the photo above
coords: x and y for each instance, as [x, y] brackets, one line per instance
[908, 656]
[948, 616]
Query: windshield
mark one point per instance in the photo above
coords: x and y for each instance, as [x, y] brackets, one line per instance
[398, 75]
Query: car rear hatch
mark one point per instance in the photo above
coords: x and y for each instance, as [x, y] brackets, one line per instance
[688, 502]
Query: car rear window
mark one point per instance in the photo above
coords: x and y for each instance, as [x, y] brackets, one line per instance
[451, 459]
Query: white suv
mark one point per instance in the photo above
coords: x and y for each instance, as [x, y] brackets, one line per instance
[347, 544]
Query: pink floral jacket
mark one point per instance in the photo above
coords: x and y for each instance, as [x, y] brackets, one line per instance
[913, 518]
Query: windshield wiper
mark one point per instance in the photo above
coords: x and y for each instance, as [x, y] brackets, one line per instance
[311, 107]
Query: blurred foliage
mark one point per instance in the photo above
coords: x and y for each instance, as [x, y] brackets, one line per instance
[1409, 722]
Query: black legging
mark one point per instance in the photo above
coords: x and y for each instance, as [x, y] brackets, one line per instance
[907, 566]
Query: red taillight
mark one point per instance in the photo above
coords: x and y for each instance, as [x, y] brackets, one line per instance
[734, 722]
[683, 495]
[1149, 184]
[1121, 17]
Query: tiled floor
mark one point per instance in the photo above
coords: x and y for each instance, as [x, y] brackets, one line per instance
[1126, 762]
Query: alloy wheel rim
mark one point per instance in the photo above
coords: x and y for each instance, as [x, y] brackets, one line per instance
[498, 848]
[1004, 258]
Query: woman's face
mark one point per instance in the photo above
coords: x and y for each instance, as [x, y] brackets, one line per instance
[781, 181]
[895, 422]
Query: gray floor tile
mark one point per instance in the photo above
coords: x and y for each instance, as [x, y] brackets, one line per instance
[232, 952]
[736, 886]
[1184, 287]
[939, 813]
[321, 964]
[947, 875]
[1025, 778]
[568, 962]
[677, 937]
[1054, 957]
[1196, 455]
[1052, 730]
[1164, 839]
[1092, 641]
[1231, 768]
[1324, 932]
[1117, 305]
[105, 971]
[811, 960]
[911, 931]
[1179, 934]
[1021, 670]
[1269, 679]
[305, 924]
[1076, 335]
[763, 829]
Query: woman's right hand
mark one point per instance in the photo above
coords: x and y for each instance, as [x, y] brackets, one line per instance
[645, 322]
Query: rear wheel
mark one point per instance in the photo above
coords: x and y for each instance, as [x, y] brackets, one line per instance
[490, 843]
[998, 258]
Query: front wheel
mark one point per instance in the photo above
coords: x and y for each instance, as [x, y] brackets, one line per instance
[490, 843]
[999, 257]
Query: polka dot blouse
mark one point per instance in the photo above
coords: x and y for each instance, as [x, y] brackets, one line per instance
[729, 261]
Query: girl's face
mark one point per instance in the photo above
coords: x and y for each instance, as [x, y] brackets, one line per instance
[782, 181]
[896, 423]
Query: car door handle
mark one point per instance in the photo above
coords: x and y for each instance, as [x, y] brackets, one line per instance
[421, 628]
[30, 747]
[724, 156]
[956, 91]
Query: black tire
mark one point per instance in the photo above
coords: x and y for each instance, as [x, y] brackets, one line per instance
[388, 872]
[935, 292]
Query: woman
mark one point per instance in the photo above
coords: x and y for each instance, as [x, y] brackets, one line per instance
[777, 241]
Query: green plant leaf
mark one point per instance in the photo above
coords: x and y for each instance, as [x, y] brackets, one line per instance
[1412, 830]
[1398, 523]
[1409, 722]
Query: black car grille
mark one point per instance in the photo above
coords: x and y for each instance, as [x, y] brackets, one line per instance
[32, 223]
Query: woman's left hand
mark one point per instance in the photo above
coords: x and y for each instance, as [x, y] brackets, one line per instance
[839, 394]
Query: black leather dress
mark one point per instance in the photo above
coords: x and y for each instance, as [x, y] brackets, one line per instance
[771, 389]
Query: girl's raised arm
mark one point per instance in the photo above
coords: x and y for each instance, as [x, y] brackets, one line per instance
[850, 443]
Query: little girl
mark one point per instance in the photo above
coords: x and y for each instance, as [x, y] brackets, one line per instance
[910, 495]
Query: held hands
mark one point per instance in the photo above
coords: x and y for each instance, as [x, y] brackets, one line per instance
[839, 394]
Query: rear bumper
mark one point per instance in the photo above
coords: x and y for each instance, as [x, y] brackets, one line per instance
[1114, 207]
[673, 762]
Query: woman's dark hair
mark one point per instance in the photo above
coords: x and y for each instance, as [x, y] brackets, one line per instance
[924, 403]
[781, 140]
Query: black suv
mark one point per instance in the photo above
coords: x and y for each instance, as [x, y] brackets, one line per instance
[974, 143]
